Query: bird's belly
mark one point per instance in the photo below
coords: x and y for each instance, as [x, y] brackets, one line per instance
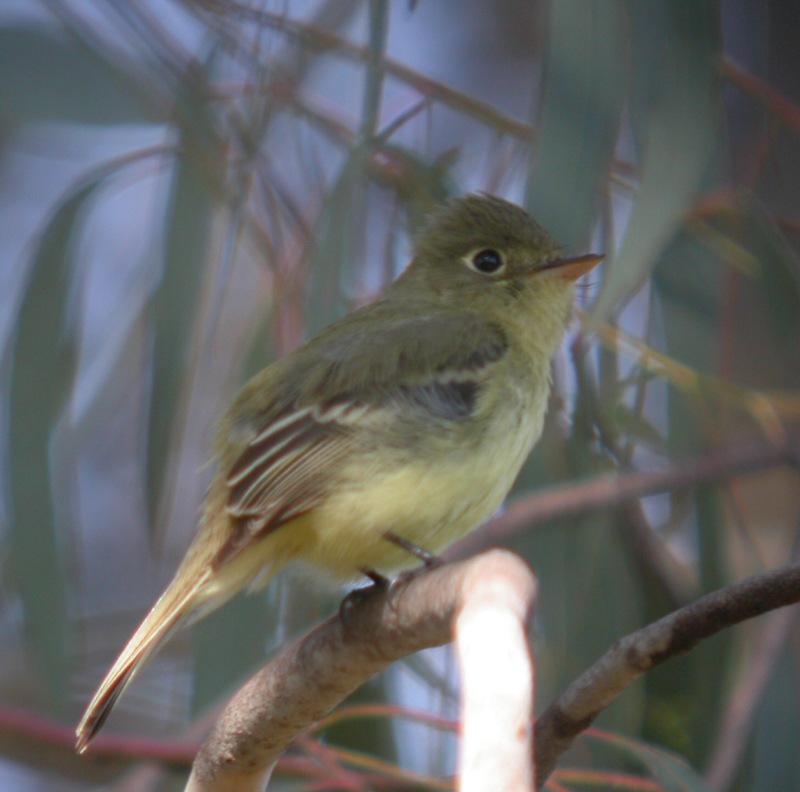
[431, 501]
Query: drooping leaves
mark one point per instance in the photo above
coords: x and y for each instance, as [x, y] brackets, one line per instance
[46, 78]
[42, 374]
[582, 104]
[675, 113]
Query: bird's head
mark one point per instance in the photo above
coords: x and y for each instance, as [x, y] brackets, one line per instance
[486, 255]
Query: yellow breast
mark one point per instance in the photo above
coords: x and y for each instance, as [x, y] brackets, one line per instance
[432, 500]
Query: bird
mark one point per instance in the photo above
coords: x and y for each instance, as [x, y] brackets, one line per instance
[400, 427]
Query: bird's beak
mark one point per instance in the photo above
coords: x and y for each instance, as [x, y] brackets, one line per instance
[572, 268]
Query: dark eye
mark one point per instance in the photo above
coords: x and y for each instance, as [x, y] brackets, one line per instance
[487, 261]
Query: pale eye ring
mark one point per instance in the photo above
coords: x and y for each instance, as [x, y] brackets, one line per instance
[487, 261]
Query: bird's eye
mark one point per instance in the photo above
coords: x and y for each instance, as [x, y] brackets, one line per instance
[487, 261]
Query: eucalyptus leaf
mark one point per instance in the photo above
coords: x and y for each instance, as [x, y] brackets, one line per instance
[583, 98]
[780, 268]
[338, 242]
[635, 426]
[675, 51]
[46, 78]
[229, 644]
[172, 311]
[579, 615]
[43, 369]
[777, 724]
[671, 771]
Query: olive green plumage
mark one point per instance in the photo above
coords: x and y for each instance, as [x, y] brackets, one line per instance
[412, 415]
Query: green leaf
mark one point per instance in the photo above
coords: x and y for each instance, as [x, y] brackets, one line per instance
[172, 310]
[635, 426]
[41, 381]
[420, 186]
[229, 644]
[579, 613]
[672, 771]
[52, 79]
[339, 239]
[583, 99]
[668, 769]
[675, 51]
[777, 724]
[779, 266]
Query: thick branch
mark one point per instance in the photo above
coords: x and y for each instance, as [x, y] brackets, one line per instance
[638, 652]
[305, 682]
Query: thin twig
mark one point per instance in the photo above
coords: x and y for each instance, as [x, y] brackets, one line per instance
[314, 38]
[774, 100]
[609, 491]
[577, 707]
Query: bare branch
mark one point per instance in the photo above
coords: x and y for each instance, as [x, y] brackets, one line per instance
[305, 682]
[317, 39]
[576, 708]
[608, 491]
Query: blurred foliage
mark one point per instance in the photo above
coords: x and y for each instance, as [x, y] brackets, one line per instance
[190, 188]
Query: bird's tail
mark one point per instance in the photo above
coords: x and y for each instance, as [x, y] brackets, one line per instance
[170, 612]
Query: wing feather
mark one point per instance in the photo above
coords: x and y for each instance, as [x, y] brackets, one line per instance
[299, 441]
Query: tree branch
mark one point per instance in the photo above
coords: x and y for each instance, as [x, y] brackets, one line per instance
[297, 688]
[577, 707]
[488, 595]
[609, 491]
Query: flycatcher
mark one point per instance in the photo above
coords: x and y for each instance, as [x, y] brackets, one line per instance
[405, 422]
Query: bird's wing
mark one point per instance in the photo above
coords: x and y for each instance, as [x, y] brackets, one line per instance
[282, 474]
[428, 366]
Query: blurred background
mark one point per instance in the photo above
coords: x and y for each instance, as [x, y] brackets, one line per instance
[189, 188]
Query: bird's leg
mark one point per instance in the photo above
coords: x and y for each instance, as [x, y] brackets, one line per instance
[379, 582]
[377, 578]
[429, 559]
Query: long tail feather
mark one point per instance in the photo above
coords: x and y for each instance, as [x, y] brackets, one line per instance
[171, 610]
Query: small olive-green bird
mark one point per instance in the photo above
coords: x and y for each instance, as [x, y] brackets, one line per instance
[402, 425]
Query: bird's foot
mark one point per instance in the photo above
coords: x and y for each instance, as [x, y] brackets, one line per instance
[379, 584]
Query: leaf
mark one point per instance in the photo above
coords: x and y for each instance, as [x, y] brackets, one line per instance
[580, 613]
[43, 368]
[339, 239]
[636, 427]
[46, 78]
[779, 266]
[420, 186]
[669, 769]
[583, 99]
[776, 761]
[229, 644]
[675, 49]
[172, 312]
[672, 771]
